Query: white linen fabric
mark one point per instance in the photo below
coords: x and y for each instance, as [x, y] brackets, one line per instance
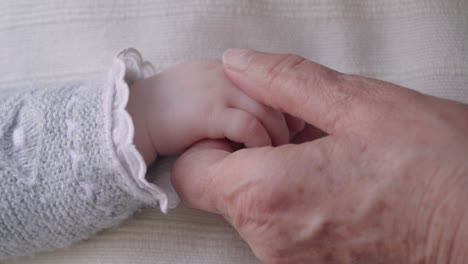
[422, 44]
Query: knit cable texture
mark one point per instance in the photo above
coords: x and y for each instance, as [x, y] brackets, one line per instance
[68, 167]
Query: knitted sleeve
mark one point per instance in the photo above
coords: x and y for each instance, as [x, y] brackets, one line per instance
[68, 167]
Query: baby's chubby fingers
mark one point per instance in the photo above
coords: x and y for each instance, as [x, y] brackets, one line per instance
[242, 127]
[273, 121]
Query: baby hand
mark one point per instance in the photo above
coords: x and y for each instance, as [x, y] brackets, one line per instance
[195, 101]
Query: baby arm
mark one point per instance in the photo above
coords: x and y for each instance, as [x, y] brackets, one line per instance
[70, 162]
[195, 101]
[68, 166]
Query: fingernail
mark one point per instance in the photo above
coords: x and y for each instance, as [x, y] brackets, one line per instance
[237, 59]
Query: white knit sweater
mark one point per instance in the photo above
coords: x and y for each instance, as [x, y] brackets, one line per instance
[68, 166]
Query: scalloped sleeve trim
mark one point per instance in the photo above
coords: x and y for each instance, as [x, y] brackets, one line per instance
[127, 68]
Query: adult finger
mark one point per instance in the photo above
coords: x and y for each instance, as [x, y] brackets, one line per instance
[211, 178]
[191, 174]
[327, 99]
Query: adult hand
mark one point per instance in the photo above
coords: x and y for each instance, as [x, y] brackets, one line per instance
[387, 183]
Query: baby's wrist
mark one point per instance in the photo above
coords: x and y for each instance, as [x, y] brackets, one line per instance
[137, 108]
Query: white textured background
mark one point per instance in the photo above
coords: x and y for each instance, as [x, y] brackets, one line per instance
[422, 44]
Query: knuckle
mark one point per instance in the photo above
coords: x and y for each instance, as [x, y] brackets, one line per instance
[257, 199]
[288, 69]
[290, 77]
[255, 210]
[366, 102]
[345, 90]
[344, 94]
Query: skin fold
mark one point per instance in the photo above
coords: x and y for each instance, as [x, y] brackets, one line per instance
[379, 175]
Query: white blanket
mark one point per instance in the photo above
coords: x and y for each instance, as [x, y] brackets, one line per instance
[422, 44]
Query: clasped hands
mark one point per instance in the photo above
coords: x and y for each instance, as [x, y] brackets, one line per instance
[379, 174]
[375, 173]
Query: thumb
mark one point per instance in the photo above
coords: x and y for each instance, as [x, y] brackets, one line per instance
[193, 178]
[322, 97]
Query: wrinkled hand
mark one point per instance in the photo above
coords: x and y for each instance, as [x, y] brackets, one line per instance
[386, 183]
